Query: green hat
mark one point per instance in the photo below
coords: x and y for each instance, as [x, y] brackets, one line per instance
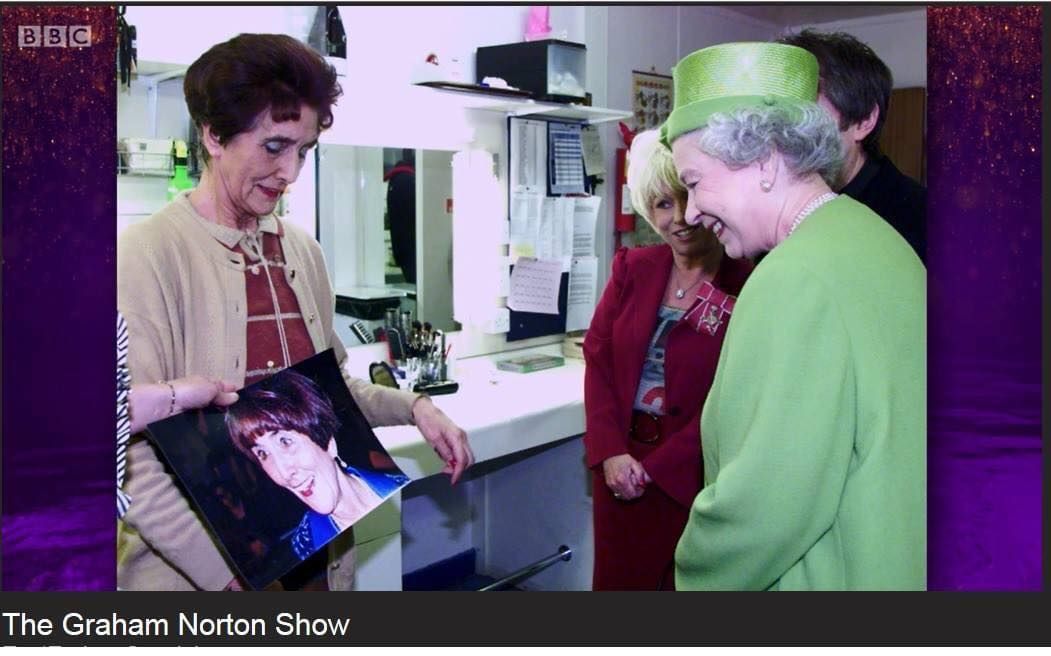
[730, 76]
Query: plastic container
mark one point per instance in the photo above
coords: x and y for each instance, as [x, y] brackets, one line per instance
[180, 180]
[549, 69]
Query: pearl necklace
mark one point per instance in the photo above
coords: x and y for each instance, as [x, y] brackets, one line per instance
[808, 209]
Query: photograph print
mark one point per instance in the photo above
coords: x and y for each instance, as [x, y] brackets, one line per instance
[283, 471]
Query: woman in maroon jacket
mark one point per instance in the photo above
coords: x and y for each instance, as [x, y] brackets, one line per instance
[651, 353]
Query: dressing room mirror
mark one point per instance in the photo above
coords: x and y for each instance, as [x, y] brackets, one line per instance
[385, 224]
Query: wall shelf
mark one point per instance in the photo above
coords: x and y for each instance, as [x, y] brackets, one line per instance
[498, 100]
[145, 164]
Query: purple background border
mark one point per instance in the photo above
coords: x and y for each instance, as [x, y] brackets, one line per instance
[58, 232]
[59, 304]
[984, 297]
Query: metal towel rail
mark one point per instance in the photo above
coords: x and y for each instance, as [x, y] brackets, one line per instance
[564, 553]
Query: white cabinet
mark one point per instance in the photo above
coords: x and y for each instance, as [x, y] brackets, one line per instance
[378, 564]
[534, 505]
[520, 509]
[378, 548]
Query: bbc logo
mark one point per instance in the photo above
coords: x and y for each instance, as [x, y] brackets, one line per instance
[54, 36]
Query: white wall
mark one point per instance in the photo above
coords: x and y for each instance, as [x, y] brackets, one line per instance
[701, 27]
[180, 34]
[653, 39]
[900, 40]
[133, 119]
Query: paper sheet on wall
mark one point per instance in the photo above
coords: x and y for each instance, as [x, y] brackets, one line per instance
[534, 285]
[566, 158]
[555, 238]
[566, 225]
[594, 158]
[528, 155]
[526, 214]
[583, 277]
[585, 218]
[545, 243]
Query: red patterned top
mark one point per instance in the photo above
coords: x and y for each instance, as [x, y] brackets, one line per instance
[276, 333]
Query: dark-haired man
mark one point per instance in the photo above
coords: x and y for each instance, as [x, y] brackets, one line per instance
[855, 88]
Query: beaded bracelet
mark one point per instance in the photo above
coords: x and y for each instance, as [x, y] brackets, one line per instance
[171, 409]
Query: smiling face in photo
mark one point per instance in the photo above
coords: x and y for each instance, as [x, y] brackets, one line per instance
[296, 463]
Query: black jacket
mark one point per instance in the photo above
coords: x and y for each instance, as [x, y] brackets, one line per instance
[900, 200]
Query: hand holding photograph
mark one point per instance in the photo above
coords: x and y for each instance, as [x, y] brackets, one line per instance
[283, 471]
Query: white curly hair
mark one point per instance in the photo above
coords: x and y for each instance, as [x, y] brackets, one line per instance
[805, 135]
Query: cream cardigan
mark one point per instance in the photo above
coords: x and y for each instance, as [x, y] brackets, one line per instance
[183, 296]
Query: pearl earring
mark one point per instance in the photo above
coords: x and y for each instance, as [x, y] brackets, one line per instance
[766, 185]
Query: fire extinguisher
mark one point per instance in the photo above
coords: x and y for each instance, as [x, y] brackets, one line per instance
[624, 215]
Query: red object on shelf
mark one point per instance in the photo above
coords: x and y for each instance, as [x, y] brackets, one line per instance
[624, 217]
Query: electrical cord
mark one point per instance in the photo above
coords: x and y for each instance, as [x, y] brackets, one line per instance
[126, 51]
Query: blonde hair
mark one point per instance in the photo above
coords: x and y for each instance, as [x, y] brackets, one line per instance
[651, 173]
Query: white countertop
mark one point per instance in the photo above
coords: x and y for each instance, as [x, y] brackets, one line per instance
[373, 293]
[502, 412]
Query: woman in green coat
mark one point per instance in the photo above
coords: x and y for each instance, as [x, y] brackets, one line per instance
[815, 426]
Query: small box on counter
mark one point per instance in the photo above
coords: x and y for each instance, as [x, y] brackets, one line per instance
[529, 363]
[573, 345]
